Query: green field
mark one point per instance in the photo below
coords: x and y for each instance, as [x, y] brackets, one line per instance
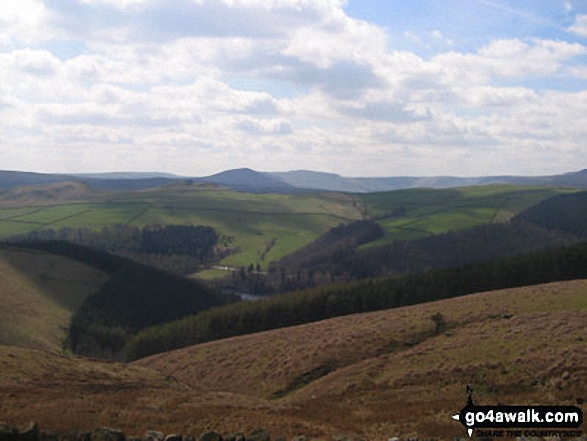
[265, 227]
[262, 227]
[410, 214]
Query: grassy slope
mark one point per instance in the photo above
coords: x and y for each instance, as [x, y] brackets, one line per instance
[391, 376]
[386, 364]
[409, 214]
[266, 227]
[39, 292]
[254, 220]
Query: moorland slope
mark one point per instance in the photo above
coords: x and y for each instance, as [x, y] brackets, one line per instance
[373, 375]
[400, 371]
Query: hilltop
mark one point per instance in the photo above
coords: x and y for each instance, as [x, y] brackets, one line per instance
[374, 375]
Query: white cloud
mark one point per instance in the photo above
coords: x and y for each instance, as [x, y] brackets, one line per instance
[255, 83]
[507, 58]
[122, 4]
[580, 26]
[22, 21]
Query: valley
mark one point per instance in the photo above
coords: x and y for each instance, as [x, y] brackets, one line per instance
[386, 306]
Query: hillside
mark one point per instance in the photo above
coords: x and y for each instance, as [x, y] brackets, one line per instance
[260, 228]
[39, 293]
[335, 259]
[370, 372]
[565, 212]
[59, 192]
[256, 228]
[374, 375]
[312, 305]
[415, 213]
[135, 296]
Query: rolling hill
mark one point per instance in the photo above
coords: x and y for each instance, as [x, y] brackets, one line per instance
[245, 179]
[261, 228]
[312, 180]
[66, 191]
[258, 228]
[248, 180]
[39, 293]
[132, 297]
[395, 372]
[374, 375]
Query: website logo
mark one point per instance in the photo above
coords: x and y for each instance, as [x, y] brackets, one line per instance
[516, 420]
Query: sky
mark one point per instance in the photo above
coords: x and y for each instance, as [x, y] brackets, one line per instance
[357, 87]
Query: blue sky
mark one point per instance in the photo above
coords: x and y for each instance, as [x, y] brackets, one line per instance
[358, 87]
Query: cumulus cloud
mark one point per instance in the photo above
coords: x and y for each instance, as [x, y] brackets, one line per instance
[580, 25]
[156, 84]
[22, 21]
[509, 58]
[277, 128]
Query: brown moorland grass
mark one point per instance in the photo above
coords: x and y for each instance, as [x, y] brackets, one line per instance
[369, 373]
[39, 292]
[374, 375]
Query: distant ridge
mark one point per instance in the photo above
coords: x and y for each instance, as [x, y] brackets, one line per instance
[126, 175]
[10, 179]
[103, 181]
[246, 179]
[56, 191]
[305, 179]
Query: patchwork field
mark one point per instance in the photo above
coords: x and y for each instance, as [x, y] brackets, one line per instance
[375, 376]
[410, 214]
[263, 227]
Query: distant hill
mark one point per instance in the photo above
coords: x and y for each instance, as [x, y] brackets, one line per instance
[126, 175]
[105, 181]
[10, 179]
[128, 184]
[39, 293]
[245, 179]
[333, 182]
[53, 192]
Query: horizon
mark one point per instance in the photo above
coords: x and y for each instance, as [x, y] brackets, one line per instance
[178, 176]
[366, 88]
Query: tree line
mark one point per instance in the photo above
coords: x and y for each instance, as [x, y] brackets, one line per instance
[330, 261]
[311, 305]
[181, 249]
[135, 297]
[566, 212]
